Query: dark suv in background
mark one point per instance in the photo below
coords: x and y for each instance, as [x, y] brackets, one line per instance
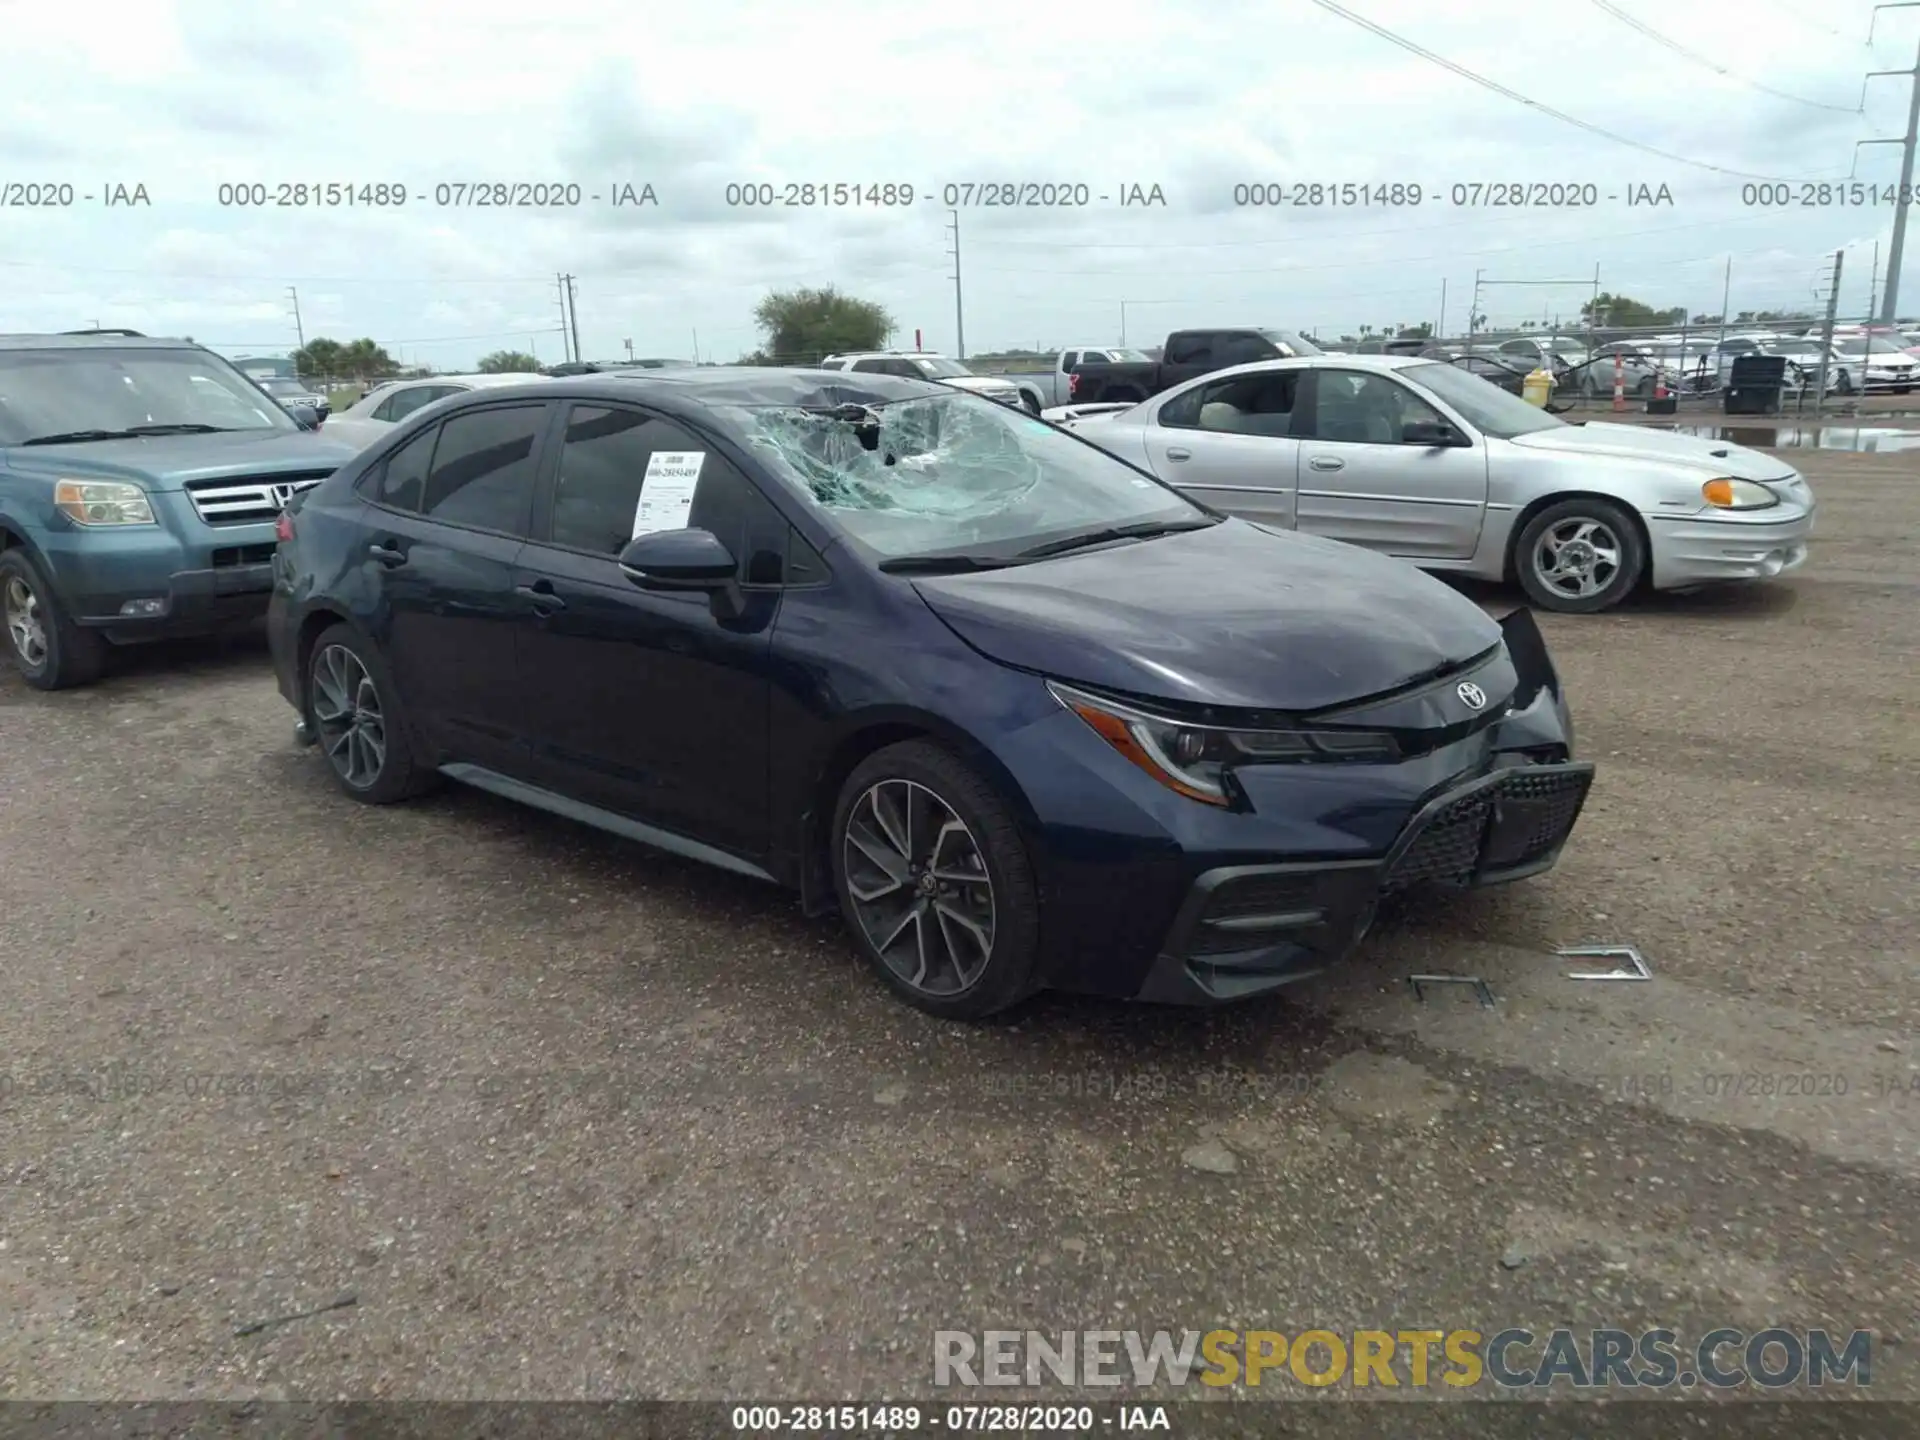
[140, 480]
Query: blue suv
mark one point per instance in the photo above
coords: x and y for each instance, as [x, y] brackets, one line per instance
[141, 481]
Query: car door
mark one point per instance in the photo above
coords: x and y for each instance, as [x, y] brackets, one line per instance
[1361, 482]
[650, 704]
[449, 511]
[1229, 443]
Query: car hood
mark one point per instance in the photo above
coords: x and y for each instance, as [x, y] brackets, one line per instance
[978, 382]
[1234, 615]
[167, 462]
[1643, 442]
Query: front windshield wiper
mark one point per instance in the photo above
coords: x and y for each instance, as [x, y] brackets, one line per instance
[132, 432]
[1145, 530]
[945, 564]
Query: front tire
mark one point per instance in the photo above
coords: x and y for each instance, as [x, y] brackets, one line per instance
[935, 883]
[354, 714]
[48, 649]
[1579, 556]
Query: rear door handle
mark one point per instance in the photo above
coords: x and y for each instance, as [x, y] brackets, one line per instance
[540, 593]
[1179, 452]
[1326, 462]
[388, 554]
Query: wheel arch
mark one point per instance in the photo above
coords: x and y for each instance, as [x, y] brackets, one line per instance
[868, 736]
[1511, 570]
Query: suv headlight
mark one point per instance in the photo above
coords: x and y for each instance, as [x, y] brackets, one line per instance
[1192, 760]
[1728, 494]
[102, 502]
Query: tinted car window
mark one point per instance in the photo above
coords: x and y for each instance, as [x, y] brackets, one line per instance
[402, 480]
[483, 469]
[1189, 350]
[1243, 349]
[603, 467]
[405, 401]
[1243, 405]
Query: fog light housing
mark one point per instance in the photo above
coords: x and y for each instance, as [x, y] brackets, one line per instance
[156, 605]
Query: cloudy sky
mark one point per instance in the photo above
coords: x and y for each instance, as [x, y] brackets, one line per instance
[184, 96]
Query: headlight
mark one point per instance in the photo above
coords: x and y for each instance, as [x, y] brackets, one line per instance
[102, 502]
[1725, 494]
[1193, 759]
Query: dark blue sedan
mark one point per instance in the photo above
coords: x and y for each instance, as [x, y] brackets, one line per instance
[1024, 714]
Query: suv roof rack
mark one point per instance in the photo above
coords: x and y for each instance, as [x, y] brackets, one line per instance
[108, 330]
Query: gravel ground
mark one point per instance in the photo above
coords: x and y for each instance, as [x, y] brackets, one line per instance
[571, 1119]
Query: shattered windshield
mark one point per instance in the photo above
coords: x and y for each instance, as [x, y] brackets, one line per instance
[952, 472]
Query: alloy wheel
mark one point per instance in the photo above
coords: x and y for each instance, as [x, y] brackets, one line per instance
[26, 626]
[1577, 558]
[919, 885]
[349, 717]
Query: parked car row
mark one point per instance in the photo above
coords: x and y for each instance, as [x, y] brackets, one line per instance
[1100, 705]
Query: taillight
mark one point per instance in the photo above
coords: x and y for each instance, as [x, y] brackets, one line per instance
[283, 527]
[1073, 383]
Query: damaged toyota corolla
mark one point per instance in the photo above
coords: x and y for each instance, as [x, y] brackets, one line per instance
[1024, 714]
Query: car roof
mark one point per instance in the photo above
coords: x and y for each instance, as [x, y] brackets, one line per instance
[103, 340]
[688, 393]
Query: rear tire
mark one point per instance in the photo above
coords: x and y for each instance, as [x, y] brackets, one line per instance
[354, 713]
[1030, 402]
[935, 883]
[1579, 556]
[48, 649]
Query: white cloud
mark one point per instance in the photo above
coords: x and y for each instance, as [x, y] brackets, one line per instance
[188, 95]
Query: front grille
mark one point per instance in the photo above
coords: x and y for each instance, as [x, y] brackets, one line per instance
[1537, 811]
[230, 555]
[1447, 849]
[251, 500]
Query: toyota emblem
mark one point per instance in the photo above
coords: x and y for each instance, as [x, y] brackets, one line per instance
[1471, 695]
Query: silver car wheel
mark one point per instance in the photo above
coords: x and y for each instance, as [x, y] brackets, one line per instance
[919, 885]
[348, 717]
[25, 625]
[1577, 558]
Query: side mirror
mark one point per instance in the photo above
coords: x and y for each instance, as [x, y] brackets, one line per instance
[306, 417]
[1428, 432]
[679, 560]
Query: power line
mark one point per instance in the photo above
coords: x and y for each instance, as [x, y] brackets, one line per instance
[1697, 58]
[1514, 95]
[403, 340]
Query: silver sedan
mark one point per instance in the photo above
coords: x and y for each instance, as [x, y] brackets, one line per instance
[1429, 463]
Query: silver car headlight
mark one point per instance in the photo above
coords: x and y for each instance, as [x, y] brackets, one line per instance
[1730, 494]
[1192, 760]
[102, 502]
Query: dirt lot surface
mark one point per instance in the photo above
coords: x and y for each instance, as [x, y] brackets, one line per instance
[572, 1119]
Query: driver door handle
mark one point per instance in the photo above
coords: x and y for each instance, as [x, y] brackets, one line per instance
[1179, 452]
[540, 592]
[1326, 462]
[387, 553]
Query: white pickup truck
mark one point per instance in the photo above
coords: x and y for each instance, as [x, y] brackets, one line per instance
[1048, 389]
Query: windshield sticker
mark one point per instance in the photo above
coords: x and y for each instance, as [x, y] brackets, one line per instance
[666, 491]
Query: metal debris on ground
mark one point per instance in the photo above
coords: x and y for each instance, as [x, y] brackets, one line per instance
[340, 1304]
[1480, 987]
[1637, 968]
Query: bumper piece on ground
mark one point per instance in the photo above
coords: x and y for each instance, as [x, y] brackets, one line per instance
[1245, 929]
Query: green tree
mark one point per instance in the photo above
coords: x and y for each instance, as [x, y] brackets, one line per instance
[1422, 331]
[802, 325]
[358, 359]
[1625, 313]
[508, 362]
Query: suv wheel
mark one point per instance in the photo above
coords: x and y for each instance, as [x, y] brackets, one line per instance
[1579, 556]
[934, 882]
[49, 650]
[354, 715]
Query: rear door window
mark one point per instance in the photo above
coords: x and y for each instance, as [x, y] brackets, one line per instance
[484, 469]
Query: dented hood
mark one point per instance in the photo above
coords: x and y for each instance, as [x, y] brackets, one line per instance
[1234, 615]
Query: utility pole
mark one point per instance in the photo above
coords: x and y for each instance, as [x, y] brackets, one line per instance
[566, 346]
[573, 317]
[1123, 324]
[959, 312]
[1826, 335]
[1440, 330]
[299, 330]
[1726, 298]
[1896, 250]
[696, 347]
[1473, 311]
[1873, 283]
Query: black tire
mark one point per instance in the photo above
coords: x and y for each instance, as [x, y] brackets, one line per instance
[994, 851]
[1644, 390]
[1564, 518]
[1031, 402]
[397, 775]
[48, 649]
[1842, 383]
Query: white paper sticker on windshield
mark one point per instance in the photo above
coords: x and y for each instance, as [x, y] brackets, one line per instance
[666, 491]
